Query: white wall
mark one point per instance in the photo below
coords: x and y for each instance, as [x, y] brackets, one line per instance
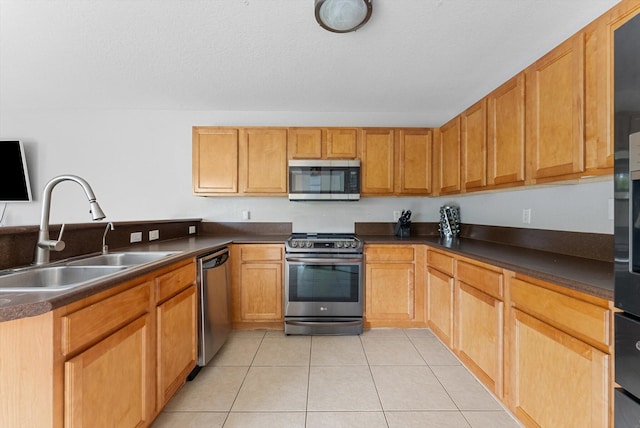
[139, 165]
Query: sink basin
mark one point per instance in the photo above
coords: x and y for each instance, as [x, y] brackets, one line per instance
[122, 259]
[54, 278]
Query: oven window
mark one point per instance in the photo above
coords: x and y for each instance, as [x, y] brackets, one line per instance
[324, 283]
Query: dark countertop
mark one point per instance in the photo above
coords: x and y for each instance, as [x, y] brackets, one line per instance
[585, 275]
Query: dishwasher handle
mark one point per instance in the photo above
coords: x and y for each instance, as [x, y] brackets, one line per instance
[214, 260]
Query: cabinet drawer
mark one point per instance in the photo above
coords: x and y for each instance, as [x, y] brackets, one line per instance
[576, 317]
[92, 323]
[389, 253]
[171, 283]
[260, 253]
[440, 261]
[489, 281]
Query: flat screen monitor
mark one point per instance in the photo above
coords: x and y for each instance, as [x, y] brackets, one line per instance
[14, 176]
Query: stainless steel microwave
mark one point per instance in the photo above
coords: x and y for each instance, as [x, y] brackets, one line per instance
[324, 180]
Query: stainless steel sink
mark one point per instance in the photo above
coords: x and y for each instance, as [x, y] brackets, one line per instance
[64, 276]
[54, 278]
[122, 259]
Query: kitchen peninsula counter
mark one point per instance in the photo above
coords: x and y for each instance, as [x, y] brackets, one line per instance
[14, 305]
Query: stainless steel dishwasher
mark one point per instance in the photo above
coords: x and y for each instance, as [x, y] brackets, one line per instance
[214, 315]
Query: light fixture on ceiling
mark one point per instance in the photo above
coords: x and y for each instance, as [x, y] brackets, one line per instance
[342, 16]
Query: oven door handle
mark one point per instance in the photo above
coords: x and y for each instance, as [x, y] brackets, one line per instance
[328, 323]
[322, 260]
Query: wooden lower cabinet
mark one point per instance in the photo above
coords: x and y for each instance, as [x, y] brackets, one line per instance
[257, 285]
[558, 380]
[440, 289]
[440, 295]
[176, 342]
[479, 320]
[112, 359]
[107, 385]
[559, 361]
[394, 296]
[544, 350]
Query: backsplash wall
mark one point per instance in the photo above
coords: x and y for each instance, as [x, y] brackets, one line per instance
[139, 165]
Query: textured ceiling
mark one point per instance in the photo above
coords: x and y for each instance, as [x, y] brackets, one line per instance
[432, 57]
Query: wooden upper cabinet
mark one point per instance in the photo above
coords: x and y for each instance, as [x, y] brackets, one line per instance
[342, 143]
[448, 143]
[474, 146]
[323, 143]
[305, 143]
[263, 160]
[377, 169]
[555, 113]
[414, 161]
[599, 77]
[506, 134]
[215, 160]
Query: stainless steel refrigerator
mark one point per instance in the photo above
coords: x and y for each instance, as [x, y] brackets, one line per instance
[627, 222]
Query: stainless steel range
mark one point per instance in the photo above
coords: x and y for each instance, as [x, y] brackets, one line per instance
[323, 284]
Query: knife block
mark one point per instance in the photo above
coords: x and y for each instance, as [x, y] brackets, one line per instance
[403, 231]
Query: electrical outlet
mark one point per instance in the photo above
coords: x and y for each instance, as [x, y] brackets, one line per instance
[154, 234]
[192, 230]
[246, 214]
[396, 215]
[135, 237]
[526, 215]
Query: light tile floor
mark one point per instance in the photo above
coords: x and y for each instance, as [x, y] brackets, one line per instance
[387, 378]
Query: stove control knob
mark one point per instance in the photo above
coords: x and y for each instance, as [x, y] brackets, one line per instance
[309, 244]
[354, 244]
[338, 244]
[293, 244]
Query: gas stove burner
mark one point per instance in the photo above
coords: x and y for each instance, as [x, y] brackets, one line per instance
[324, 242]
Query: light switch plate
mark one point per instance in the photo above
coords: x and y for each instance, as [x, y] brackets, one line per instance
[154, 234]
[135, 237]
[192, 230]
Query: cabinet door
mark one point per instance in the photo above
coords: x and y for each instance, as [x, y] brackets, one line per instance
[377, 161]
[555, 112]
[474, 146]
[111, 384]
[557, 380]
[449, 157]
[479, 338]
[506, 133]
[261, 292]
[599, 77]
[342, 143]
[176, 341]
[263, 161]
[414, 164]
[215, 160]
[305, 143]
[440, 305]
[390, 291]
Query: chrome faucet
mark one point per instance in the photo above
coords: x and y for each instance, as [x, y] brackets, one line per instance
[105, 247]
[45, 244]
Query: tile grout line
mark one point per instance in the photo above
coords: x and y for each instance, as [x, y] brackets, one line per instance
[244, 379]
[384, 413]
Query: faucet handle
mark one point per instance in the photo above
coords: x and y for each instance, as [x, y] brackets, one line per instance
[54, 245]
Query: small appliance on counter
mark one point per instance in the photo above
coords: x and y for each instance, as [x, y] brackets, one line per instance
[403, 227]
[449, 221]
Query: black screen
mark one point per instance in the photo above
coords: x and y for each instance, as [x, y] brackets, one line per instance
[14, 181]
